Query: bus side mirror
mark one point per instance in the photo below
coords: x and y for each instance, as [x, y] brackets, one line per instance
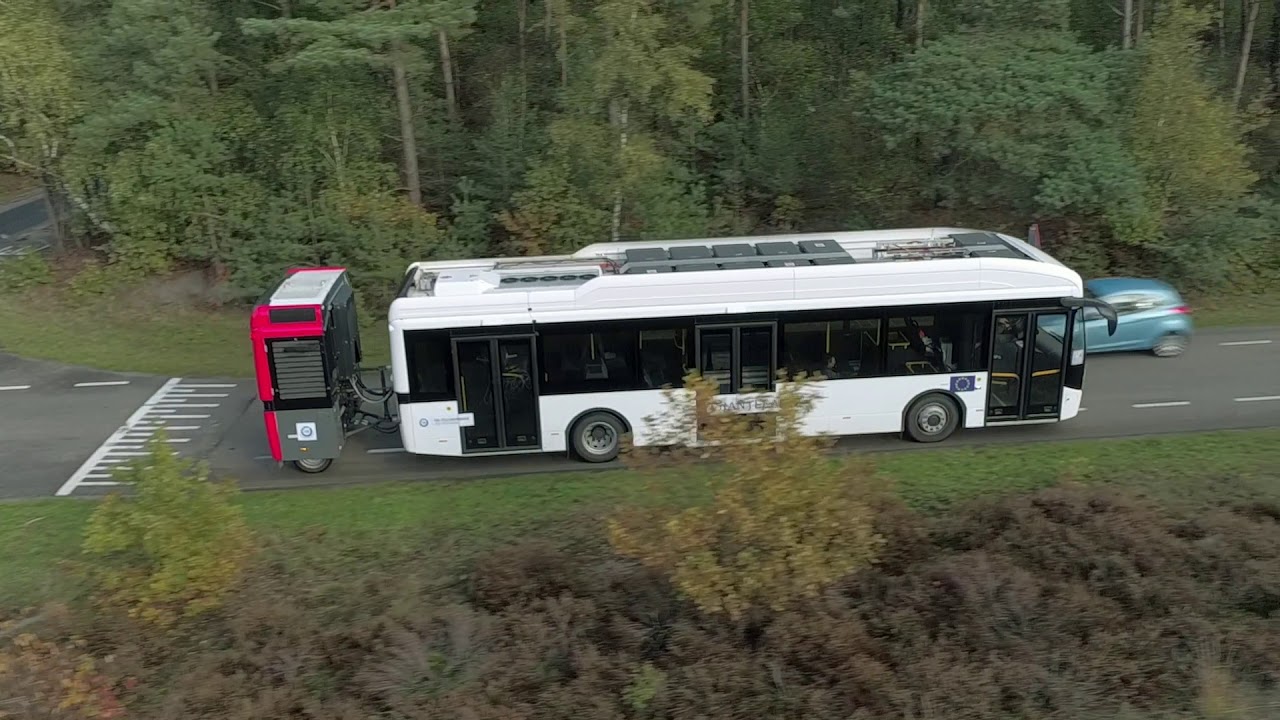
[1104, 309]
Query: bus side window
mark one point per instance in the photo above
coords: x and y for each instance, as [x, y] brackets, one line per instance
[947, 340]
[429, 356]
[836, 347]
[588, 359]
[663, 357]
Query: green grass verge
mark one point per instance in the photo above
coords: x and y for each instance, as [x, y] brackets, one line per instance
[131, 337]
[459, 518]
[1238, 310]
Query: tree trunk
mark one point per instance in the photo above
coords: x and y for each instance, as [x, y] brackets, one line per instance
[522, 22]
[1127, 38]
[1222, 29]
[921, 5]
[563, 54]
[744, 54]
[446, 67]
[408, 138]
[1139, 16]
[1273, 55]
[619, 112]
[1246, 46]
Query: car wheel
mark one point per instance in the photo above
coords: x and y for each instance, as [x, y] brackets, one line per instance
[313, 465]
[932, 418]
[597, 437]
[1170, 345]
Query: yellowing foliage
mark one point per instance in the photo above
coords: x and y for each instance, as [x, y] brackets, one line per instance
[40, 678]
[785, 520]
[174, 549]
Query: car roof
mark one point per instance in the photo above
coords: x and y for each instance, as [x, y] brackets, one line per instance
[1103, 287]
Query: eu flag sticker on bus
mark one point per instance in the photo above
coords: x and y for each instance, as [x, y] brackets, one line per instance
[964, 383]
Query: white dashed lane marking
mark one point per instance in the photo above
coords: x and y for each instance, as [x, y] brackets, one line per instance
[1260, 398]
[129, 442]
[1176, 403]
[104, 383]
[14, 387]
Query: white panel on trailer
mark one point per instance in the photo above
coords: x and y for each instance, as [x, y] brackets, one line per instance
[305, 287]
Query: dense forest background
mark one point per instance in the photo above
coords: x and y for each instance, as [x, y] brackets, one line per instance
[246, 135]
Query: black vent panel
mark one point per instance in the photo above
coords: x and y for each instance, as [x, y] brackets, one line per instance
[299, 369]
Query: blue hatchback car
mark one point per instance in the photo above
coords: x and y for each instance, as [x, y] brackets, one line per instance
[1152, 317]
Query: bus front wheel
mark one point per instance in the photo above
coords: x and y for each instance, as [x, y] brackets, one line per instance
[932, 418]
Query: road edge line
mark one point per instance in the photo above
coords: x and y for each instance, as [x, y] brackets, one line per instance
[79, 475]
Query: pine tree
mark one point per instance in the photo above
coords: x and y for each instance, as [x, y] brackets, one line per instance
[378, 33]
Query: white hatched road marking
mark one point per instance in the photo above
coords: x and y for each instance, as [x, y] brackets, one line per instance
[105, 448]
[1245, 342]
[104, 383]
[128, 443]
[1175, 403]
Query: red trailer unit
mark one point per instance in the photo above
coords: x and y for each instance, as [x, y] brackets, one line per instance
[306, 354]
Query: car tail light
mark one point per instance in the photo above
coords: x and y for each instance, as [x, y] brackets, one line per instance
[1182, 310]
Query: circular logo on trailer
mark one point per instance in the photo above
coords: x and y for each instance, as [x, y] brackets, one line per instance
[306, 432]
[423, 422]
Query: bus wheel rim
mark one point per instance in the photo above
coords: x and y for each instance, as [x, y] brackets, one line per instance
[313, 462]
[932, 418]
[601, 442]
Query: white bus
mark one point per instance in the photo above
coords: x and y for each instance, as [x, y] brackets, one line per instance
[917, 331]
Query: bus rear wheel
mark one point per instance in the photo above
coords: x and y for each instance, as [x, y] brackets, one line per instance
[597, 437]
[313, 465]
[932, 418]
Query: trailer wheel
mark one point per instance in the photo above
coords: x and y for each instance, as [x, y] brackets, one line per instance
[597, 437]
[932, 418]
[313, 466]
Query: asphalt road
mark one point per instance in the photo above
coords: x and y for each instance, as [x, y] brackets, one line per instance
[58, 434]
[24, 224]
[1216, 385]
[24, 214]
[62, 428]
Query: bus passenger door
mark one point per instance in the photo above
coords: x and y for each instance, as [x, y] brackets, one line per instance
[741, 358]
[498, 386]
[1028, 352]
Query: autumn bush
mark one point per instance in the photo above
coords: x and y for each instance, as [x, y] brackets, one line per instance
[1067, 603]
[56, 679]
[784, 521]
[173, 549]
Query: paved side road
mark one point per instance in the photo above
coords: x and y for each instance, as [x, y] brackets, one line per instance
[23, 225]
[53, 417]
[63, 428]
